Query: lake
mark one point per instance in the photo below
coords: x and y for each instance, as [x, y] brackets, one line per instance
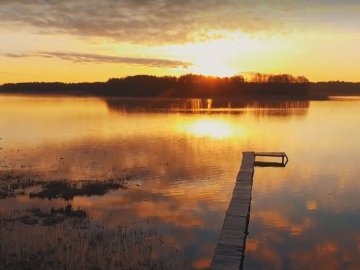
[144, 184]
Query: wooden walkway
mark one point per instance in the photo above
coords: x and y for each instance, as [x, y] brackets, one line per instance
[230, 249]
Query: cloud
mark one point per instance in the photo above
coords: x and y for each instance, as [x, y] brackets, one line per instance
[97, 58]
[138, 21]
[164, 21]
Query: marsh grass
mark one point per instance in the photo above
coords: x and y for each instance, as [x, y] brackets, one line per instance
[13, 184]
[67, 238]
[78, 243]
[67, 191]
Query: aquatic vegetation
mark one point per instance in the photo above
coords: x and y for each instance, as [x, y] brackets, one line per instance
[68, 238]
[52, 217]
[13, 184]
[67, 191]
[78, 243]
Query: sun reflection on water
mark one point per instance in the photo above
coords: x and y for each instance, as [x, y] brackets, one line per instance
[212, 128]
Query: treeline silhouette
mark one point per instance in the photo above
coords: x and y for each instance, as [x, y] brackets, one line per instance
[334, 88]
[189, 86]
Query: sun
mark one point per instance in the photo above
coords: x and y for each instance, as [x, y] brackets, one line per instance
[211, 58]
[210, 67]
[223, 57]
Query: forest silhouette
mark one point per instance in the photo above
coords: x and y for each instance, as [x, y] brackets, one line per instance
[192, 86]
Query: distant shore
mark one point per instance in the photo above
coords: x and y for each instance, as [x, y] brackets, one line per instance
[193, 86]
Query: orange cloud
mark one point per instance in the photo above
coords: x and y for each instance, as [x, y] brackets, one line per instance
[324, 256]
[311, 205]
[201, 263]
[276, 219]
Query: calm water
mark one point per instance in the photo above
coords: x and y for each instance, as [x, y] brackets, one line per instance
[178, 160]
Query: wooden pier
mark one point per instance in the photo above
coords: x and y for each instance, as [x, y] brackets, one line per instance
[230, 249]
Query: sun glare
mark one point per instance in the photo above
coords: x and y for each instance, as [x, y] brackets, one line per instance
[213, 68]
[221, 57]
[212, 58]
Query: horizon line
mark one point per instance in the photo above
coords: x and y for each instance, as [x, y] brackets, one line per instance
[241, 74]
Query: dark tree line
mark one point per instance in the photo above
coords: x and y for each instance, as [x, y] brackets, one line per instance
[188, 86]
[280, 78]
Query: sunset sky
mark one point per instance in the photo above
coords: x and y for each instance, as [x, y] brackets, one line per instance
[91, 40]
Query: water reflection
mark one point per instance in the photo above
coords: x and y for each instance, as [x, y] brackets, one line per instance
[261, 108]
[212, 128]
[179, 169]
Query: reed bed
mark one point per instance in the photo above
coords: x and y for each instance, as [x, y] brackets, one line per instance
[79, 243]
